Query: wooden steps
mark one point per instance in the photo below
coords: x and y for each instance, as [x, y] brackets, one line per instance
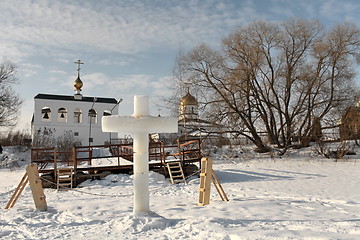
[208, 176]
[176, 172]
[64, 178]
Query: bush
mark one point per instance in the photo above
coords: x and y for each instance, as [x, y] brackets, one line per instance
[15, 138]
[336, 151]
[67, 141]
[44, 138]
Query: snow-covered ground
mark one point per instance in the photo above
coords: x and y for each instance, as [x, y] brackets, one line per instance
[300, 196]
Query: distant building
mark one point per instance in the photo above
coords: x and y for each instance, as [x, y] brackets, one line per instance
[75, 114]
[188, 116]
[191, 126]
[350, 124]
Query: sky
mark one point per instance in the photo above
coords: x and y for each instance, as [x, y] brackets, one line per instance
[129, 47]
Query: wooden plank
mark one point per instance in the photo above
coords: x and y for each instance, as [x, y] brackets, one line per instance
[218, 186]
[55, 162]
[36, 187]
[18, 191]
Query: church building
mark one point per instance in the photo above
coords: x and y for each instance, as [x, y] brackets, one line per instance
[188, 116]
[191, 125]
[74, 114]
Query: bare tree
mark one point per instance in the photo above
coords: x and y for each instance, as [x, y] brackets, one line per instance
[280, 79]
[9, 101]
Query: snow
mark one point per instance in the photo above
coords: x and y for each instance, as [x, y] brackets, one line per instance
[298, 196]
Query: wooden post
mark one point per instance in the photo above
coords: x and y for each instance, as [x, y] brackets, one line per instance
[90, 155]
[55, 163]
[118, 154]
[205, 181]
[36, 187]
[75, 164]
[179, 149]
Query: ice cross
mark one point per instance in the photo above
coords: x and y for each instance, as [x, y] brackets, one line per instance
[140, 124]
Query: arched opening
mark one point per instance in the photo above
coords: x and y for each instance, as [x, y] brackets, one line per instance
[62, 115]
[92, 116]
[46, 114]
[77, 115]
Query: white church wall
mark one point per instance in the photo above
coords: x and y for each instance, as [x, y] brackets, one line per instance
[82, 129]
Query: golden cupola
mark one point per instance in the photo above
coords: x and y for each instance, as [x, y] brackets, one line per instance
[188, 99]
[78, 84]
[188, 107]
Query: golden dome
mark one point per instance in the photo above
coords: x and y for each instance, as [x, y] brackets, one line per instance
[78, 83]
[188, 100]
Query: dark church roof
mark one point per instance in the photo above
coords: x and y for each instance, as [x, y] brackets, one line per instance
[72, 98]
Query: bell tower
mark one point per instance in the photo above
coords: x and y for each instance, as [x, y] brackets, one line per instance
[188, 115]
[188, 108]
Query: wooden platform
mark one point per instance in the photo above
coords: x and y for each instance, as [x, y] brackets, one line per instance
[85, 163]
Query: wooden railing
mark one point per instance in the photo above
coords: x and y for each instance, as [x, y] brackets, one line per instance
[158, 151]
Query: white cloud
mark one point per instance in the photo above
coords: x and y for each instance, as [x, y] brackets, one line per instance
[100, 83]
[165, 82]
[108, 62]
[123, 27]
[132, 83]
[32, 66]
[58, 72]
[128, 27]
[28, 72]
[95, 80]
[339, 11]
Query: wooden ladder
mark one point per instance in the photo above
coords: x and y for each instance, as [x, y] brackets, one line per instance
[175, 172]
[64, 178]
[208, 176]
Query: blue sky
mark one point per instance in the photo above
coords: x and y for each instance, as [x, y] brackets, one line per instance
[128, 47]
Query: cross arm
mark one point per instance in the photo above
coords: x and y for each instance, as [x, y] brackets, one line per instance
[149, 124]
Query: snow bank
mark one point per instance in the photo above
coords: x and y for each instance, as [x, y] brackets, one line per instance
[299, 196]
[15, 157]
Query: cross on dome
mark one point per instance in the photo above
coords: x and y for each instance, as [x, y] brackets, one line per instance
[78, 83]
[78, 62]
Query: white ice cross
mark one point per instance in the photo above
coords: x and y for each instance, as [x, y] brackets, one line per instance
[140, 124]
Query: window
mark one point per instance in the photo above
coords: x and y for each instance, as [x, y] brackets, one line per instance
[76, 134]
[62, 115]
[92, 116]
[46, 114]
[77, 115]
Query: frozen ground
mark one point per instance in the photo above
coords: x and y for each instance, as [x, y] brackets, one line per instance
[299, 196]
